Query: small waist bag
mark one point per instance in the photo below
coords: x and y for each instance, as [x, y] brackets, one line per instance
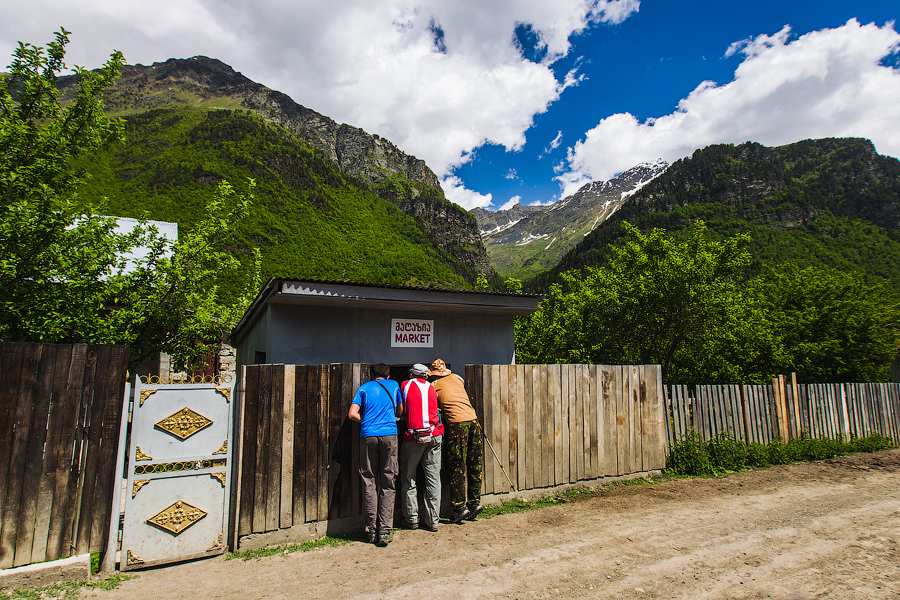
[422, 436]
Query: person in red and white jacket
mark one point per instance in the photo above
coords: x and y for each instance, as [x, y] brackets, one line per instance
[421, 444]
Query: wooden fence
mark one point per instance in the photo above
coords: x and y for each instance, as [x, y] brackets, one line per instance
[60, 409]
[557, 424]
[548, 424]
[785, 409]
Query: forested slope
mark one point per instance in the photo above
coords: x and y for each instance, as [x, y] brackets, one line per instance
[825, 203]
[308, 218]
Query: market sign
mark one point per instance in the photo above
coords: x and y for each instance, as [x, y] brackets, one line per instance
[412, 333]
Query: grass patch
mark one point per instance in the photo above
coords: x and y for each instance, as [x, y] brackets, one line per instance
[67, 590]
[325, 542]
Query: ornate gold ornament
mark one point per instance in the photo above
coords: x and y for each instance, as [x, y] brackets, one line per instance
[146, 393]
[138, 484]
[177, 517]
[138, 455]
[184, 423]
[220, 475]
[223, 449]
[218, 544]
[225, 392]
[131, 559]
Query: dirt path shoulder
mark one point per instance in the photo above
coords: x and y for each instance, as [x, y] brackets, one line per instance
[829, 529]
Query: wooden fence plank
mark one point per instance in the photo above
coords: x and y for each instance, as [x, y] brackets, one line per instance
[536, 431]
[249, 450]
[500, 376]
[62, 511]
[298, 486]
[91, 464]
[634, 385]
[492, 374]
[37, 436]
[554, 393]
[566, 378]
[11, 357]
[115, 374]
[609, 387]
[274, 450]
[311, 460]
[324, 466]
[51, 454]
[658, 421]
[578, 431]
[703, 402]
[523, 400]
[571, 429]
[546, 428]
[484, 396]
[263, 420]
[528, 440]
[24, 395]
[513, 403]
[286, 501]
[360, 376]
[623, 459]
[333, 461]
[348, 472]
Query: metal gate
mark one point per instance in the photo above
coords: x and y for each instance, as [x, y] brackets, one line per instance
[179, 471]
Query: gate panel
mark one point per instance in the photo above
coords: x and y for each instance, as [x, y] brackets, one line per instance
[179, 475]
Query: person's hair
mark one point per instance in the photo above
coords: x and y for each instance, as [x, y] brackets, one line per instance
[381, 370]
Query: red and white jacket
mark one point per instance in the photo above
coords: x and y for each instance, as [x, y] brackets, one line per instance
[420, 407]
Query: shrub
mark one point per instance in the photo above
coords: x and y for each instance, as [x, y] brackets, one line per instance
[778, 452]
[758, 455]
[727, 453]
[871, 443]
[689, 456]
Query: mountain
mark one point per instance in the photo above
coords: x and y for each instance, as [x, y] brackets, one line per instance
[829, 202]
[526, 240]
[192, 122]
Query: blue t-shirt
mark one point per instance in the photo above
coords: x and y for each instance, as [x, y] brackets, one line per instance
[377, 407]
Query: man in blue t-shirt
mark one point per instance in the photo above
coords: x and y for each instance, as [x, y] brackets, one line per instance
[375, 407]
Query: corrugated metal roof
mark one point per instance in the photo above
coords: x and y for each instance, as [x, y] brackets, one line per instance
[275, 287]
[430, 288]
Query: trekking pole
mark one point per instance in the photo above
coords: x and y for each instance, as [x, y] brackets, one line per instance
[512, 486]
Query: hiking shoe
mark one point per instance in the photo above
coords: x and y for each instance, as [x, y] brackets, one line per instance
[412, 524]
[459, 515]
[474, 512]
[371, 536]
[385, 538]
[432, 528]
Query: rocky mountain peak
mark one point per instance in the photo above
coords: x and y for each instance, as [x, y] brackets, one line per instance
[525, 240]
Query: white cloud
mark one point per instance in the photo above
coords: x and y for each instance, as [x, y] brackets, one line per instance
[511, 174]
[510, 203]
[827, 83]
[554, 144]
[456, 192]
[372, 64]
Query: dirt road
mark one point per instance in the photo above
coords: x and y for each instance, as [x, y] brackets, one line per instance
[819, 530]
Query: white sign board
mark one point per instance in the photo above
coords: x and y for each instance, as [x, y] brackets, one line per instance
[412, 333]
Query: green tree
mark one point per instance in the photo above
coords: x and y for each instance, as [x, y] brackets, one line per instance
[833, 326]
[65, 274]
[656, 301]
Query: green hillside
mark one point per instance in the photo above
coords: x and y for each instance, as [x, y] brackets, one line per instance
[829, 203]
[308, 218]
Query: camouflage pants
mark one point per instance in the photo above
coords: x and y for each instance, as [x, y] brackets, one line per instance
[465, 460]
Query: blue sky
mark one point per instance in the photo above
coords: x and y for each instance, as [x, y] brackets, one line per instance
[645, 66]
[526, 100]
